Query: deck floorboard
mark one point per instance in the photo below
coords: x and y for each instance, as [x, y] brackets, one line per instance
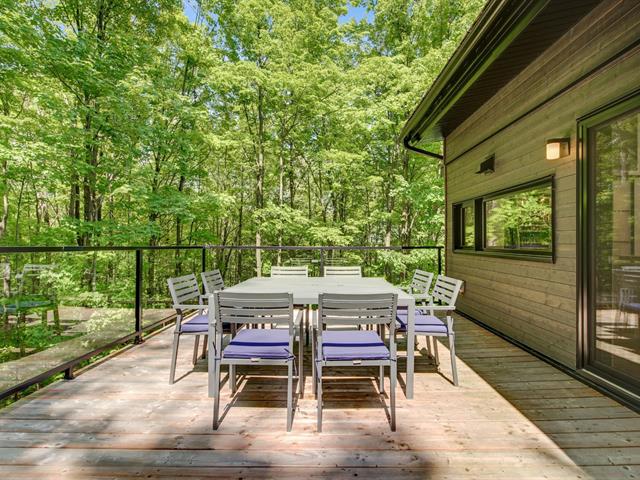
[512, 417]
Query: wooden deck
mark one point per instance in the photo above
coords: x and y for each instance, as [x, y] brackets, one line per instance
[512, 417]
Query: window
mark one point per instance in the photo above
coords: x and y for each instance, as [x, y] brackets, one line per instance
[516, 221]
[465, 225]
[519, 220]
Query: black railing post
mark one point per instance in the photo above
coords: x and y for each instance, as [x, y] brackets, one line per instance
[138, 305]
[321, 273]
[204, 259]
[439, 260]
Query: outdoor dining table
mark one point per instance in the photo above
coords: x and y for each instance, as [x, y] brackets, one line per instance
[306, 291]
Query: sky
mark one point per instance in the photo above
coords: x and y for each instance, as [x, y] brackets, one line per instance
[353, 13]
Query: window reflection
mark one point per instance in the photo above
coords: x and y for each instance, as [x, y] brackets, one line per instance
[614, 150]
[520, 220]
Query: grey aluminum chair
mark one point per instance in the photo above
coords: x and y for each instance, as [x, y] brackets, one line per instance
[445, 291]
[357, 348]
[212, 281]
[343, 271]
[253, 346]
[185, 294]
[420, 286]
[290, 271]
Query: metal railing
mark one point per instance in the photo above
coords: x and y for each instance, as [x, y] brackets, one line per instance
[148, 291]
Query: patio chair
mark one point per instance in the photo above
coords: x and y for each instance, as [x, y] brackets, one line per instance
[186, 297]
[356, 348]
[212, 281]
[420, 285]
[445, 291]
[343, 271]
[253, 346]
[291, 271]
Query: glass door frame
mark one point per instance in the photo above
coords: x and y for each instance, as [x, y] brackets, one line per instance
[586, 234]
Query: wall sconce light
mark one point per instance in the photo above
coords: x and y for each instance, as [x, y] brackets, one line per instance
[557, 148]
[488, 166]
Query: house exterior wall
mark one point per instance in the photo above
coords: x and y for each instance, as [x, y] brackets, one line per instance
[535, 302]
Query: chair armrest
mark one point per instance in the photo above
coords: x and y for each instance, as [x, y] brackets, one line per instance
[422, 296]
[205, 296]
[440, 308]
[188, 306]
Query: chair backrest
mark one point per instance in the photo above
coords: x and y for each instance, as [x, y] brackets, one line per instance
[291, 271]
[343, 271]
[252, 308]
[421, 282]
[357, 309]
[212, 281]
[184, 290]
[446, 290]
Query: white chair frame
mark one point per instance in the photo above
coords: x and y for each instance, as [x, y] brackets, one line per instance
[445, 291]
[343, 271]
[420, 286]
[290, 271]
[212, 281]
[359, 309]
[249, 309]
[184, 290]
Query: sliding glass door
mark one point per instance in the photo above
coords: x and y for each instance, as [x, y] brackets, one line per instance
[612, 266]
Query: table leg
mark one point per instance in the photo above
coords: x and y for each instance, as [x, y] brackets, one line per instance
[411, 338]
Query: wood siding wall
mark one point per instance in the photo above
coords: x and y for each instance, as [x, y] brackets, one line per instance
[535, 303]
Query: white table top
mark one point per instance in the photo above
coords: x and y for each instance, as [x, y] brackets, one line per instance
[306, 290]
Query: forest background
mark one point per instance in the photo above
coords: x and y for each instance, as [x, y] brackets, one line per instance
[264, 122]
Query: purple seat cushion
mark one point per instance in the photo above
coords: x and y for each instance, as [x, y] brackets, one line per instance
[199, 323]
[200, 318]
[631, 307]
[353, 345]
[259, 343]
[425, 323]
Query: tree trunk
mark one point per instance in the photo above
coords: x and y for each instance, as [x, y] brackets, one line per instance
[4, 187]
[259, 176]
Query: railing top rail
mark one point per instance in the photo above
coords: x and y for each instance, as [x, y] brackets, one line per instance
[77, 248]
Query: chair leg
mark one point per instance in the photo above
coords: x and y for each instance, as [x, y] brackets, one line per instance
[452, 350]
[174, 357]
[319, 395]
[300, 362]
[381, 378]
[232, 378]
[313, 365]
[290, 395]
[305, 320]
[392, 394]
[429, 353]
[196, 343]
[435, 351]
[216, 392]
[204, 346]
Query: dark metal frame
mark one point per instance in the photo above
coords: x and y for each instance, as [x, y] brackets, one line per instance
[139, 329]
[585, 279]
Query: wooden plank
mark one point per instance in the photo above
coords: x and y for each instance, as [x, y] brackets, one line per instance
[511, 413]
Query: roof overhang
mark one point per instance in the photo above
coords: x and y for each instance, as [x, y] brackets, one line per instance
[507, 36]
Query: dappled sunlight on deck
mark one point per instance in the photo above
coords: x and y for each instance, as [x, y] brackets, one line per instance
[512, 417]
